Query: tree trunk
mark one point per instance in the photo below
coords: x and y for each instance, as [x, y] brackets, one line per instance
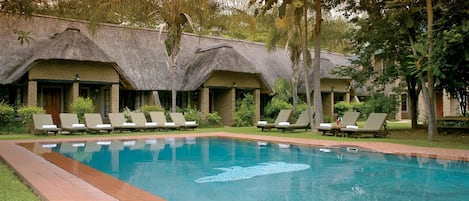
[317, 65]
[432, 129]
[304, 45]
[413, 97]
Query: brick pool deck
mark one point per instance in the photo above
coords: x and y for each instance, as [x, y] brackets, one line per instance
[60, 178]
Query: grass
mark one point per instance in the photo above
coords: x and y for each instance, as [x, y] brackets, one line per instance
[401, 133]
[12, 187]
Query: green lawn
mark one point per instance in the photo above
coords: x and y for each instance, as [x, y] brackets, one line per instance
[13, 189]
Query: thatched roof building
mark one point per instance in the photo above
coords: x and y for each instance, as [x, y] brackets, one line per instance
[139, 54]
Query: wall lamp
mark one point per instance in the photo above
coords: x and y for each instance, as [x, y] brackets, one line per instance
[77, 78]
[235, 85]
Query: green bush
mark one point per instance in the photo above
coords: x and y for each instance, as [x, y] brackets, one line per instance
[82, 106]
[245, 111]
[213, 119]
[299, 108]
[7, 113]
[26, 113]
[191, 114]
[379, 102]
[341, 107]
[146, 109]
[274, 106]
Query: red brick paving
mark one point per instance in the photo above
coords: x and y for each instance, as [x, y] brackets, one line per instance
[66, 183]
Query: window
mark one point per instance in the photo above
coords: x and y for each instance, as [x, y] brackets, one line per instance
[107, 101]
[403, 102]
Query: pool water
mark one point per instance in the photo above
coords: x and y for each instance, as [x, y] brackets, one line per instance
[232, 169]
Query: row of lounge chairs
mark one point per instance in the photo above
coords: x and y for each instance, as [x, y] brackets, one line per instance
[93, 122]
[375, 124]
[282, 122]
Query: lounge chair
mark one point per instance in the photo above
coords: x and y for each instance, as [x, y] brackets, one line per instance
[94, 122]
[373, 125]
[283, 116]
[141, 122]
[180, 120]
[70, 123]
[301, 123]
[119, 123]
[43, 124]
[349, 119]
[160, 119]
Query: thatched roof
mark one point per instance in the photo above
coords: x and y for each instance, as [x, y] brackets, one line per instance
[219, 58]
[70, 44]
[140, 53]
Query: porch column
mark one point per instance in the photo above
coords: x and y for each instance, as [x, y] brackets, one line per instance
[233, 104]
[257, 105]
[75, 89]
[204, 102]
[32, 93]
[114, 98]
[332, 102]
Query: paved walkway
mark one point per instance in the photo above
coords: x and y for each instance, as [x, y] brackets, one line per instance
[70, 180]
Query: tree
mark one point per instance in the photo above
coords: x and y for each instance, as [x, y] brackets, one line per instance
[300, 14]
[451, 52]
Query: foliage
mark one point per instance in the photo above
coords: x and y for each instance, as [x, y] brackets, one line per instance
[81, 106]
[245, 111]
[7, 113]
[126, 111]
[299, 108]
[191, 114]
[146, 109]
[274, 106]
[213, 119]
[341, 107]
[26, 113]
[381, 103]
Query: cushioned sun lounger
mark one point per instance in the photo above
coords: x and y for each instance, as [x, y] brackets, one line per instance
[180, 120]
[141, 122]
[94, 122]
[119, 123]
[43, 124]
[301, 123]
[69, 122]
[160, 119]
[373, 125]
[283, 116]
[349, 119]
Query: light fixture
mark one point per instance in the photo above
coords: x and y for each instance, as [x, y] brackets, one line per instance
[77, 78]
[235, 85]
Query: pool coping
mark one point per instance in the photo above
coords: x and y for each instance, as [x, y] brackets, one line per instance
[50, 182]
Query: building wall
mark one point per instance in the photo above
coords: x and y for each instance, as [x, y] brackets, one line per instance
[228, 79]
[64, 70]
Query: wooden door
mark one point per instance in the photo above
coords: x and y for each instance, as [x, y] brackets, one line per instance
[52, 102]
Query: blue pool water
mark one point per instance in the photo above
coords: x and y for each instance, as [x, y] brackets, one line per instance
[229, 169]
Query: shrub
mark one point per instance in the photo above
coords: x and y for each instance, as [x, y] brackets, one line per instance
[213, 119]
[245, 111]
[7, 113]
[26, 113]
[379, 102]
[341, 107]
[274, 106]
[126, 111]
[81, 106]
[146, 109]
[299, 108]
[192, 114]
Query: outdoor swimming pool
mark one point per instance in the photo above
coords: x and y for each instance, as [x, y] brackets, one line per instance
[233, 169]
